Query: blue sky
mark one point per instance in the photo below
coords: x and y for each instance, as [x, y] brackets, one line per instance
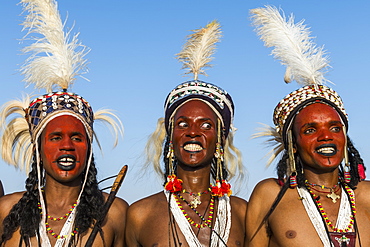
[133, 68]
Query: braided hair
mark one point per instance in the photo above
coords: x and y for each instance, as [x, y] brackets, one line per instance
[25, 214]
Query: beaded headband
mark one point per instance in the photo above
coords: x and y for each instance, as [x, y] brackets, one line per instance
[219, 100]
[292, 103]
[45, 106]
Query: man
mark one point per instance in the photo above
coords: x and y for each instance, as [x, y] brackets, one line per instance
[52, 137]
[195, 141]
[315, 201]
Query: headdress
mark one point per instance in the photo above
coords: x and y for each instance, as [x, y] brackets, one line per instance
[196, 55]
[56, 59]
[306, 64]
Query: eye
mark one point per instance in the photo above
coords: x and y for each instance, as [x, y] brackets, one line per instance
[182, 124]
[76, 138]
[206, 126]
[309, 131]
[55, 138]
[336, 129]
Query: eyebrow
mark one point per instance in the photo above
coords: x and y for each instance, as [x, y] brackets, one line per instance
[312, 124]
[204, 119]
[60, 132]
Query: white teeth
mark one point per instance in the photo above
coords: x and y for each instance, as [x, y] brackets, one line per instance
[327, 150]
[66, 161]
[193, 147]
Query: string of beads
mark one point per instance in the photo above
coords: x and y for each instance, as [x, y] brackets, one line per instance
[50, 230]
[325, 216]
[59, 218]
[206, 223]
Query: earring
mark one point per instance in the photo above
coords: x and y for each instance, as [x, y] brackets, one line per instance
[347, 168]
[293, 171]
[221, 187]
[173, 184]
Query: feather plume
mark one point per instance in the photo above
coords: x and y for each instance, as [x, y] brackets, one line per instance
[56, 57]
[275, 140]
[306, 63]
[197, 52]
[16, 146]
[112, 121]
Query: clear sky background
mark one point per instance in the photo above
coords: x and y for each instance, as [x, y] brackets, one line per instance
[133, 68]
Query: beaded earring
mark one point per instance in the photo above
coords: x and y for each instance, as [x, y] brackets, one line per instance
[293, 170]
[173, 184]
[347, 168]
[221, 187]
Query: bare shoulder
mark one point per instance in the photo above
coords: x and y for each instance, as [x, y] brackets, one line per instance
[266, 189]
[141, 215]
[118, 208]
[362, 191]
[8, 201]
[238, 204]
[144, 206]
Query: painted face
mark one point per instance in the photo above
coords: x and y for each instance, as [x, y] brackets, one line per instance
[319, 136]
[195, 134]
[64, 146]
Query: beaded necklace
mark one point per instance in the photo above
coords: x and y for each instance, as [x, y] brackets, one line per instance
[206, 223]
[56, 235]
[325, 216]
[196, 196]
[332, 194]
[50, 230]
[59, 218]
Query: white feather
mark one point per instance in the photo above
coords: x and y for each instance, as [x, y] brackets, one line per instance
[275, 140]
[306, 63]
[199, 48]
[56, 57]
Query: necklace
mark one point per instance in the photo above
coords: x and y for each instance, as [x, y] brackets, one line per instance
[56, 235]
[206, 223]
[59, 218]
[196, 197]
[332, 194]
[50, 230]
[325, 216]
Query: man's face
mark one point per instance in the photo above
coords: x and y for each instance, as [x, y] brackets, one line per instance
[319, 137]
[195, 134]
[64, 146]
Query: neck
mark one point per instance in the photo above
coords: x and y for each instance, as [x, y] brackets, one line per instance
[61, 194]
[197, 180]
[328, 179]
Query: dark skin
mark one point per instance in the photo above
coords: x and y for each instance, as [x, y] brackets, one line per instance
[65, 135]
[194, 139]
[289, 225]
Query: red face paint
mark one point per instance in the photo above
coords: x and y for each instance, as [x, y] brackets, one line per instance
[64, 146]
[319, 136]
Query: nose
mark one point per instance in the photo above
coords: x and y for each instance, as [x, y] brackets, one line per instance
[325, 135]
[193, 131]
[66, 144]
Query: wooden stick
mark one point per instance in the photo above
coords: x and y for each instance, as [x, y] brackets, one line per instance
[116, 185]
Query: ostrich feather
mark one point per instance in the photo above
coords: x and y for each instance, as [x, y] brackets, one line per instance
[56, 57]
[275, 140]
[306, 62]
[16, 145]
[197, 52]
[112, 121]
